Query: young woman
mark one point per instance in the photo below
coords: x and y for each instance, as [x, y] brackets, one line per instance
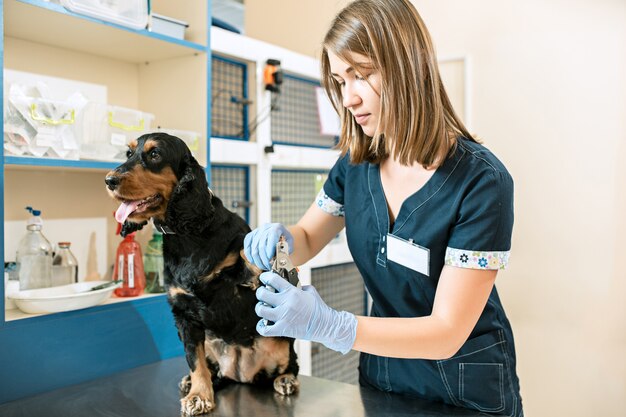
[428, 214]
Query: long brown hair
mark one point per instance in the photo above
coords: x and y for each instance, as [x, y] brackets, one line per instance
[416, 113]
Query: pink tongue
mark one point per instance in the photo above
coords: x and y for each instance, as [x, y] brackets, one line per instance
[125, 210]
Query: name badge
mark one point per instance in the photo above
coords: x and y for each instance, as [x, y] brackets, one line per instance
[408, 254]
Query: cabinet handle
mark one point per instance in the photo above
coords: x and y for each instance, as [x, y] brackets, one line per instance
[125, 127]
[47, 120]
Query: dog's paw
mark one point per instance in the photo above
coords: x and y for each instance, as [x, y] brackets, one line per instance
[184, 385]
[194, 404]
[286, 384]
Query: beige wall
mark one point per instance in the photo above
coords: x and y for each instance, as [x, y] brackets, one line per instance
[295, 25]
[548, 96]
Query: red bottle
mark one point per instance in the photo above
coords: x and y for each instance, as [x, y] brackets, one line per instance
[129, 267]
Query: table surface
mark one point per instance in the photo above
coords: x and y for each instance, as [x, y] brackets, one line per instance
[152, 391]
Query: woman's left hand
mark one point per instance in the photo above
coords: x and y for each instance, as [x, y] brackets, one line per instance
[302, 314]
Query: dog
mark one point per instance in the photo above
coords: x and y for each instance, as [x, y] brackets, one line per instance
[209, 283]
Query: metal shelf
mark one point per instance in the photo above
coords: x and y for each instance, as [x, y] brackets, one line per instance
[57, 163]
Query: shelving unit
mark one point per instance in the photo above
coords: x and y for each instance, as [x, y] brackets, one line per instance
[158, 74]
[61, 28]
[171, 79]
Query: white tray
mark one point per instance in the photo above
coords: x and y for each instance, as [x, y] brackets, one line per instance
[62, 298]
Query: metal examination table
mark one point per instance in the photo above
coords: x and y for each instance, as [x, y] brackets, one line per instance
[152, 391]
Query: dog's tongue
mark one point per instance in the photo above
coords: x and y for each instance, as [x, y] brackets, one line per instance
[125, 209]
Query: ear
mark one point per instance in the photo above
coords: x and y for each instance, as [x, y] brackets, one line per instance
[130, 227]
[189, 209]
[191, 170]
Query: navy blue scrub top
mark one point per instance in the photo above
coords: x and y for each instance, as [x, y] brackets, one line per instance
[463, 216]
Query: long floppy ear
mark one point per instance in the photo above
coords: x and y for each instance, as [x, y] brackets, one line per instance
[189, 209]
[130, 227]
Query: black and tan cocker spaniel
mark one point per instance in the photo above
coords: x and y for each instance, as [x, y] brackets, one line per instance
[210, 285]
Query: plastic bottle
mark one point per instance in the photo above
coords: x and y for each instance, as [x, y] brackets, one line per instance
[153, 264]
[64, 266]
[129, 268]
[34, 255]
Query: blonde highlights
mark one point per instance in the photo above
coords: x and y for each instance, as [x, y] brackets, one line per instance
[416, 115]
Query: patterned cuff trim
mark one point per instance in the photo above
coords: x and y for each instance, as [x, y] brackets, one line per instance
[329, 205]
[477, 260]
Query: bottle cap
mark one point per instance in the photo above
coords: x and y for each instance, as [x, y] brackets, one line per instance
[65, 244]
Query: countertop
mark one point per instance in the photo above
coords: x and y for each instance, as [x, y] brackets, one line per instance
[152, 391]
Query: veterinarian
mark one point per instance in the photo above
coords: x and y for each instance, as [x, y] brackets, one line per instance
[428, 213]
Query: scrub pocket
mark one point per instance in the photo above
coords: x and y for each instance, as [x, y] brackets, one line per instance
[479, 376]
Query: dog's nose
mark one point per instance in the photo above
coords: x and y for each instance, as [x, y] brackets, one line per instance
[112, 182]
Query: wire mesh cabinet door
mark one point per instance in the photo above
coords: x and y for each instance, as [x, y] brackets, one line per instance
[342, 288]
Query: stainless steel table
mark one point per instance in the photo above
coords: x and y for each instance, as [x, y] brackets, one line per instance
[152, 391]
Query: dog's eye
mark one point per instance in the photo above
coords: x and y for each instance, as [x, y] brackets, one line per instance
[129, 153]
[155, 154]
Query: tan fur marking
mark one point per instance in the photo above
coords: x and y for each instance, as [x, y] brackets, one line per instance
[254, 282]
[251, 267]
[139, 183]
[174, 291]
[199, 400]
[149, 144]
[267, 353]
[201, 376]
[229, 260]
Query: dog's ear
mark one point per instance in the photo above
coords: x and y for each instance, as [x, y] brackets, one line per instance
[189, 209]
[130, 227]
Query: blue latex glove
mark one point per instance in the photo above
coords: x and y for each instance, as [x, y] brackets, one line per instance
[302, 314]
[259, 245]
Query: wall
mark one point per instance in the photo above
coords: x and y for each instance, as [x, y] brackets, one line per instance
[295, 25]
[548, 96]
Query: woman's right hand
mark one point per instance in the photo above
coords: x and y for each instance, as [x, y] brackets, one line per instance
[259, 246]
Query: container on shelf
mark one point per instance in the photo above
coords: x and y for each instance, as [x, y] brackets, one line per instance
[34, 255]
[109, 130]
[167, 26]
[153, 264]
[41, 127]
[192, 139]
[64, 265]
[129, 13]
[129, 268]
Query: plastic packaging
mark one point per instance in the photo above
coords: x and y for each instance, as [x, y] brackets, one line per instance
[64, 266]
[192, 139]
[129, 268]
[153, 264]
[34, 255]
[109, 130]
[129, 13]
[35, 125]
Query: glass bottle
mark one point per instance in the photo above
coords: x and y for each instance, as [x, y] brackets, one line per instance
[129, 268]
[64, 266]
[153, 264]
[34, 255]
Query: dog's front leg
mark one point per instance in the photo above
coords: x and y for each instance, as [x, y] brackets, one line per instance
[199, 399]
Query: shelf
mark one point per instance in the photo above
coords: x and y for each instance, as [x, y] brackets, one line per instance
[15, 314]
[61, 28]
[20, 161]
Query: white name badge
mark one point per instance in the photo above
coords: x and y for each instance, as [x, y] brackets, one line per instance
[408, 254]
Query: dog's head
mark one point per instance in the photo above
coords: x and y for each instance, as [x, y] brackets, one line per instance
[160, 180]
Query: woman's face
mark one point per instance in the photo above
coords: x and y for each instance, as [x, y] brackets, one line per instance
[360, 89]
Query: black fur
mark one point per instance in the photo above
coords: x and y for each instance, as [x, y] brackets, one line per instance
[206, 234]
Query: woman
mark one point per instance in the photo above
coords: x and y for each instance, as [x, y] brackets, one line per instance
[428, 214]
